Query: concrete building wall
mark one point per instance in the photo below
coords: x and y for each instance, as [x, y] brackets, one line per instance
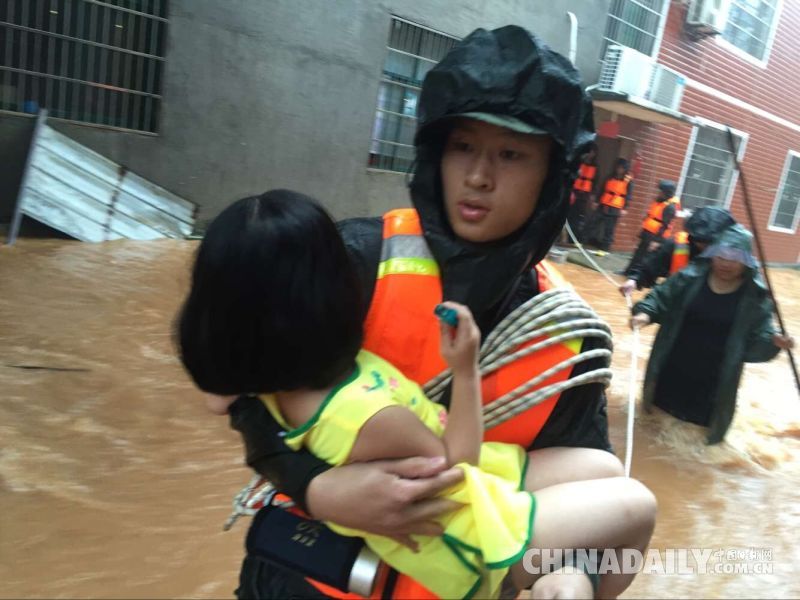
[260, 95]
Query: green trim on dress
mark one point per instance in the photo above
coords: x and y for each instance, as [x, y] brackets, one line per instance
[310, 423]
[452, 544]
[524, 472]
[474, 589]
[525, 546]
[455, 545]
[457, 542]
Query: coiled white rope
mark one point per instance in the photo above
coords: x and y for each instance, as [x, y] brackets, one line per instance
[259, 492]
[557, 316]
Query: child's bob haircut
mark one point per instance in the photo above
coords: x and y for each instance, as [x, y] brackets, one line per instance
[275, 304]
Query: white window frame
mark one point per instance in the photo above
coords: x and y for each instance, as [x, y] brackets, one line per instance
[789, 156]
[687, 159]
[746, 56]
[659, 34]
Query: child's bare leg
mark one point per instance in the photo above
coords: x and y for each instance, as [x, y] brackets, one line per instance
[613, 513]
[551, 466]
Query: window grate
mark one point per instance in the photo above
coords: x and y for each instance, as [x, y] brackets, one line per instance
[636, 24]
[411, 52]
[91, 61]
[711, 169]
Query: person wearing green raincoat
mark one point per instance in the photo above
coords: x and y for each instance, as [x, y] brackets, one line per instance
[715, 315]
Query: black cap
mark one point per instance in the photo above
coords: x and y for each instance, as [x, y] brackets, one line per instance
[667, 186]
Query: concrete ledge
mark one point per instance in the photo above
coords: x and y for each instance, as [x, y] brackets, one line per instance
[609, 261]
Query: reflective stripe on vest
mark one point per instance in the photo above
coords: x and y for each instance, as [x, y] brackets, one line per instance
[406, 291]
[585, 178]
[401, 327]
[615, 192]
[654, 219]
[680, 255]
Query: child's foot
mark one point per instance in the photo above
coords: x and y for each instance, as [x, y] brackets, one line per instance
[567, 582]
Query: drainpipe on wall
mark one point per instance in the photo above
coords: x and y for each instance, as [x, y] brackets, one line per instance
[573, 36]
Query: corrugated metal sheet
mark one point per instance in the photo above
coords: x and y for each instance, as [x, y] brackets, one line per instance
[87, 196]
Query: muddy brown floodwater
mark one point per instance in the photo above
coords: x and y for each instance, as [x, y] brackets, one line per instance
[115, 481]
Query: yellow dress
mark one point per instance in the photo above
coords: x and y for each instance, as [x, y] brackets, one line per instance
[482, 539]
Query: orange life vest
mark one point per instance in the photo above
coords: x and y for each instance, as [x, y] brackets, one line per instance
[615, 192]
[655, 217]
[585, 178]
[402, 328]
[680, 255]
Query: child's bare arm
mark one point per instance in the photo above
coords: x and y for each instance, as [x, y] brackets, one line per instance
[395, 432]
[464, 432]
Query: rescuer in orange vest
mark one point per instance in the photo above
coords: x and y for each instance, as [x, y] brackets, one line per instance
[700, 230]
[306, 359]
[657, 224]
[583, 192]
[485, 224]
[617, 192]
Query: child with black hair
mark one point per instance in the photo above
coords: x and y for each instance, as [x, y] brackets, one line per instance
[274, 311]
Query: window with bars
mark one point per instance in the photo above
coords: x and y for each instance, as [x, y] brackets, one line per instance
[411, 52]
[636, 24]
[786, 210]
[750, 25]
[93, 61]
[711, 169]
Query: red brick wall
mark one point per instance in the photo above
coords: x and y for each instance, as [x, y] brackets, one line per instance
[775, 89]
[661, 149]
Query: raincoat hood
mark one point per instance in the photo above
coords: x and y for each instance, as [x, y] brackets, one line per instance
[707, 223]
[735, 243]
[510, 73]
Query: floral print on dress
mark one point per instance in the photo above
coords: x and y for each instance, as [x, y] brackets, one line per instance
[378, 382]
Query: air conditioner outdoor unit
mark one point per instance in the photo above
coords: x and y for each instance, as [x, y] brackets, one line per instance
[707, 17]
[666, 87]
[626, 71]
